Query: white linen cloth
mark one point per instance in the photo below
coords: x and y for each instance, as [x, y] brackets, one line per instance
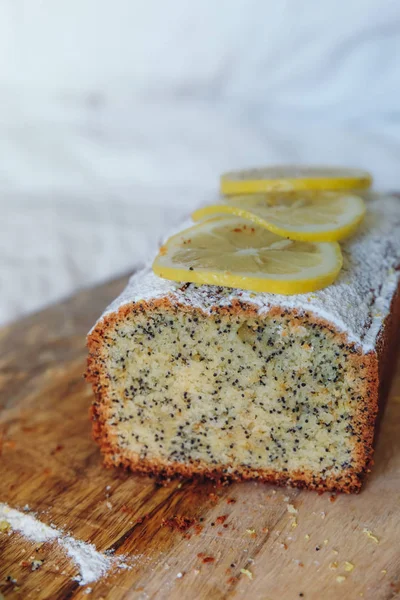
[116, 118]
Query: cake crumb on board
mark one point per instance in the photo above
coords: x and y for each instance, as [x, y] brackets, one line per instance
[370, 535]
[179, 523]
[246, 572]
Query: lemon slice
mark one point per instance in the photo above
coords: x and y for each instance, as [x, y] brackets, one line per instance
[287, 178]
[233, 252]
[304, 216]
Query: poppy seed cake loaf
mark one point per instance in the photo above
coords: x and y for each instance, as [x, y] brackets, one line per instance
[230, 384]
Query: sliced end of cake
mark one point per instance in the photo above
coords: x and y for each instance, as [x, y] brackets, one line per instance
[280, 397]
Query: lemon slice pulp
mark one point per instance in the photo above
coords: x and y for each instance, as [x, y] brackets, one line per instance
[287, 178]
[304, 216]
[233, 252]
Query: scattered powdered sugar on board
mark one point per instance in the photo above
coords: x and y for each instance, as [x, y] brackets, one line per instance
[28, 525]
[91, 563]
[356, 303]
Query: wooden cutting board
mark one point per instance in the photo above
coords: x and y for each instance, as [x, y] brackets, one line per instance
[49, 461]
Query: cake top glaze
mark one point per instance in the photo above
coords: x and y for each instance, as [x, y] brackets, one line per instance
[356, 303]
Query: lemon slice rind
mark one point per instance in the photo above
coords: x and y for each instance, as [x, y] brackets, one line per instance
[290, 178]
[342, 224]
[306, 280]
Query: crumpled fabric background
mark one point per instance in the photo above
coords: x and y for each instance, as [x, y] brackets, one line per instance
[116, 118]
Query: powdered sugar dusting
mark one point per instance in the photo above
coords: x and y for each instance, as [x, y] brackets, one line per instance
[91, 563]
[356, 304]
[25, 523]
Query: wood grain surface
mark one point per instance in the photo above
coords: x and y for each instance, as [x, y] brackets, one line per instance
[244, 542]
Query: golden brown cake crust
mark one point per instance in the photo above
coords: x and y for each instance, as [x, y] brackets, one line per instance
[377, 364]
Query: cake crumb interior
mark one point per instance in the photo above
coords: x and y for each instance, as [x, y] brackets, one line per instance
[233, 390]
